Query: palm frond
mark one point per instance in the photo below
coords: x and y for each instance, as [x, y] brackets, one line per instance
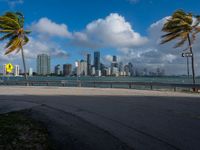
[10, 22]
[6, 36]
[17, 43]
[11, 41]
[20, 19]
[6, 31]
[179, 44]
[26, 40]
[27, 31]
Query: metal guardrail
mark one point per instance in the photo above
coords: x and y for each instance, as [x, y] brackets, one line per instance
[109, 84]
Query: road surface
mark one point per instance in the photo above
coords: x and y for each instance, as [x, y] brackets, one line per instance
[135, 120]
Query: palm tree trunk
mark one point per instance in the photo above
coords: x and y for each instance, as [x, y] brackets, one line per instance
[192, 58]
[24, 64]
[188, 70]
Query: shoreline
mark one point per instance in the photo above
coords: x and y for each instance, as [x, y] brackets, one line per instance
[80, 91]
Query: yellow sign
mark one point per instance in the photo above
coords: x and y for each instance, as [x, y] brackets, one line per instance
[9, 68]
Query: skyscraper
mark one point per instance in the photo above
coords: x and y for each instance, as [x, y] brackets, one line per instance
[114, 58]
[83, 68]
[30, 72]
[67, 69]
[57, 70]
[16, 72]
[43, 64]
[4, 70]
[89, 67]
[97, 60]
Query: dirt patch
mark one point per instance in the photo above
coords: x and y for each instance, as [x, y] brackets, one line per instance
[18, 132]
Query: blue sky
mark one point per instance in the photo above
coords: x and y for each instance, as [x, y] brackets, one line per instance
[85, 26]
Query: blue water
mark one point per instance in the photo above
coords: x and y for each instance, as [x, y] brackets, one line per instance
[183, 80]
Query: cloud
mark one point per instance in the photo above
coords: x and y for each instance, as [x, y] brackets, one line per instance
[113, 31]
[35, 47]
[152, 54]
[46, 27]
[31, 50]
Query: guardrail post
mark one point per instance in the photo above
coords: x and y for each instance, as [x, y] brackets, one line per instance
[151, 87]
[94, 84]
[175, 89]
[130, 86]
[111, 85]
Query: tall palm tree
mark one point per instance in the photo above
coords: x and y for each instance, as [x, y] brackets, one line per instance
[12, 29]
[181, 26]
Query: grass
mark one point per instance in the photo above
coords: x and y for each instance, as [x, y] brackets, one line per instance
[19, 132]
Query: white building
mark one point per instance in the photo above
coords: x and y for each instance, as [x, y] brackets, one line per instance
[30, 71]
[16, 71]
[83, 67]
[93, 71]
[4, 70]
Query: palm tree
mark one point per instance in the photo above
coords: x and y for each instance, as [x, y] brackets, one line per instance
[181, 26]
[12, 29]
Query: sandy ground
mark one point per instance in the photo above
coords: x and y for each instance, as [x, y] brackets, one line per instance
[22, 90]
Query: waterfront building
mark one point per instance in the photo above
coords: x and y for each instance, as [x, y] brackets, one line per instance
[93, 73]
[114, 66]
[97, 62]
[126, 70]
[98, 73]
[16, 70]
[115, 71]
[57, 70]
[78, 68]
[114, 58]
[83, 68]
[107, 71]
[120, 66]
[130, 66]
[43, 64]
[67, 69]
[4, 70]
[89, 67]
[30, 72]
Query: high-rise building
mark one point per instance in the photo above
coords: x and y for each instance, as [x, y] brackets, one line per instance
[4, 69]
[78, 68]
[114, 58]
[67, 69]
[97, 60]
[114, 66]
[89, 67]
[30, 72]
[126, 70]
[57, 70]
[83, 68]
[130, 66]
[16, 72]
[43, 64]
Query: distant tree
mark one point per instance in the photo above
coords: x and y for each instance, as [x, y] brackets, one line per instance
[181, 26]
[12, 28]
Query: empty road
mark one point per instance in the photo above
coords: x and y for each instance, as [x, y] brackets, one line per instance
[108, 119]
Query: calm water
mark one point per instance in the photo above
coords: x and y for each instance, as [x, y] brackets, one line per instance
[133, 79]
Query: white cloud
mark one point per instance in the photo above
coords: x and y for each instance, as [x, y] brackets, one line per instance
[153, 54]
[113, 31]
[35, 47]
[31, 50]
[49, 28]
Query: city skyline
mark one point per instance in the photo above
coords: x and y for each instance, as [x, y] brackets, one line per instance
[122, 29]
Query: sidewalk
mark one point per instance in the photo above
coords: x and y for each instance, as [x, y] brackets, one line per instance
[29, 90]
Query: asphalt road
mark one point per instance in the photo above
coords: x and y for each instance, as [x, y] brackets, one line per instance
[115, 122]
